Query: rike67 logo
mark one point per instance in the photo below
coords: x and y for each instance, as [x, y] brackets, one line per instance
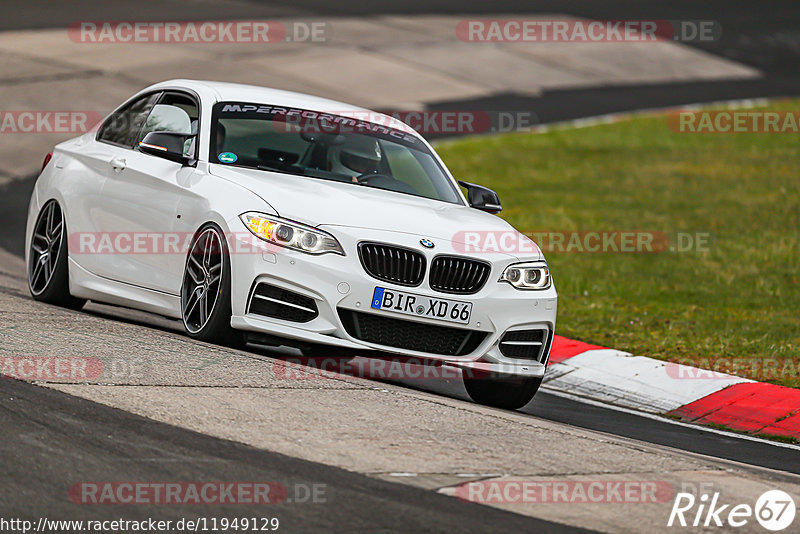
[774, 510]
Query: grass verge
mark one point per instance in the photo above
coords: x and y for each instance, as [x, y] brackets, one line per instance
[731, 305]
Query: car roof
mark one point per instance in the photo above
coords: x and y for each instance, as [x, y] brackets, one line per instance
[225, 91]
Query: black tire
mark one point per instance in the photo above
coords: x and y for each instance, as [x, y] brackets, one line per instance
[212, 322]
[48, 260]
[507, 393]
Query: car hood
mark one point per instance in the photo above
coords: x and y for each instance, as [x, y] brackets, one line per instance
[320, 202]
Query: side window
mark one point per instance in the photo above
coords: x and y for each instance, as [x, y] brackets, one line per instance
[123, 125]
[174, 113]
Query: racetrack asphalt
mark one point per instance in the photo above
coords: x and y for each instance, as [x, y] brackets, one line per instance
[91, 443]
[753, 33]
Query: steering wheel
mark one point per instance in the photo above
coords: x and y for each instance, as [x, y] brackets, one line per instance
[385, 181]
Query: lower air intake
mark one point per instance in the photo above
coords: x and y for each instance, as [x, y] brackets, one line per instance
[410, 335]
[279, 303]
[525, 344]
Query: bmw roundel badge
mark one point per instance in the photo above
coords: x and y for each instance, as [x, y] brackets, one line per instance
[427, 243]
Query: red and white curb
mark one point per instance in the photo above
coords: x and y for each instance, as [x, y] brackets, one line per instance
[688, 393]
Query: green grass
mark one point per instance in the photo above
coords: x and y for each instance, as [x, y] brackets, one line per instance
[738, 299]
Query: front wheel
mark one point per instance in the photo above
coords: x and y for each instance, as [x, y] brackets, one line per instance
[206, 289]
[507, 393]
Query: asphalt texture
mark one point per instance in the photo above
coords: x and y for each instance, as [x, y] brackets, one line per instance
[53, 449]
[761, 34]
[757, 34]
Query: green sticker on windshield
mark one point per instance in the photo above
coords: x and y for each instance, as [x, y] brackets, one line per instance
[227, 157]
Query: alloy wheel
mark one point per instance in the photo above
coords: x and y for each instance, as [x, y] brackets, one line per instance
[202, 280]
[46, 245]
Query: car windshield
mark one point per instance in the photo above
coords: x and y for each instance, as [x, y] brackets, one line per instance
[327, 146]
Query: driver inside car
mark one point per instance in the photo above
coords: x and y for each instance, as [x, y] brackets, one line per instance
[359, 156]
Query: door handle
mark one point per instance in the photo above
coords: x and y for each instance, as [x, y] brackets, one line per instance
[118, 164]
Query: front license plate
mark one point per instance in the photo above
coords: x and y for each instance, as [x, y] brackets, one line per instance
[453, 311]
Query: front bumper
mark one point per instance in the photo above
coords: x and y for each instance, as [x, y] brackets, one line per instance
[339, 283]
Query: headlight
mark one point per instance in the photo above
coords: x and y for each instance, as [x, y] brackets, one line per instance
[527, 275]
[291, 234]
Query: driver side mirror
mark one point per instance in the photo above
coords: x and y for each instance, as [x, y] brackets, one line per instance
[482, 198]
[167, 145]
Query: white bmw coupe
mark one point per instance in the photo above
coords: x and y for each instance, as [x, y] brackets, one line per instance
[286, 219]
